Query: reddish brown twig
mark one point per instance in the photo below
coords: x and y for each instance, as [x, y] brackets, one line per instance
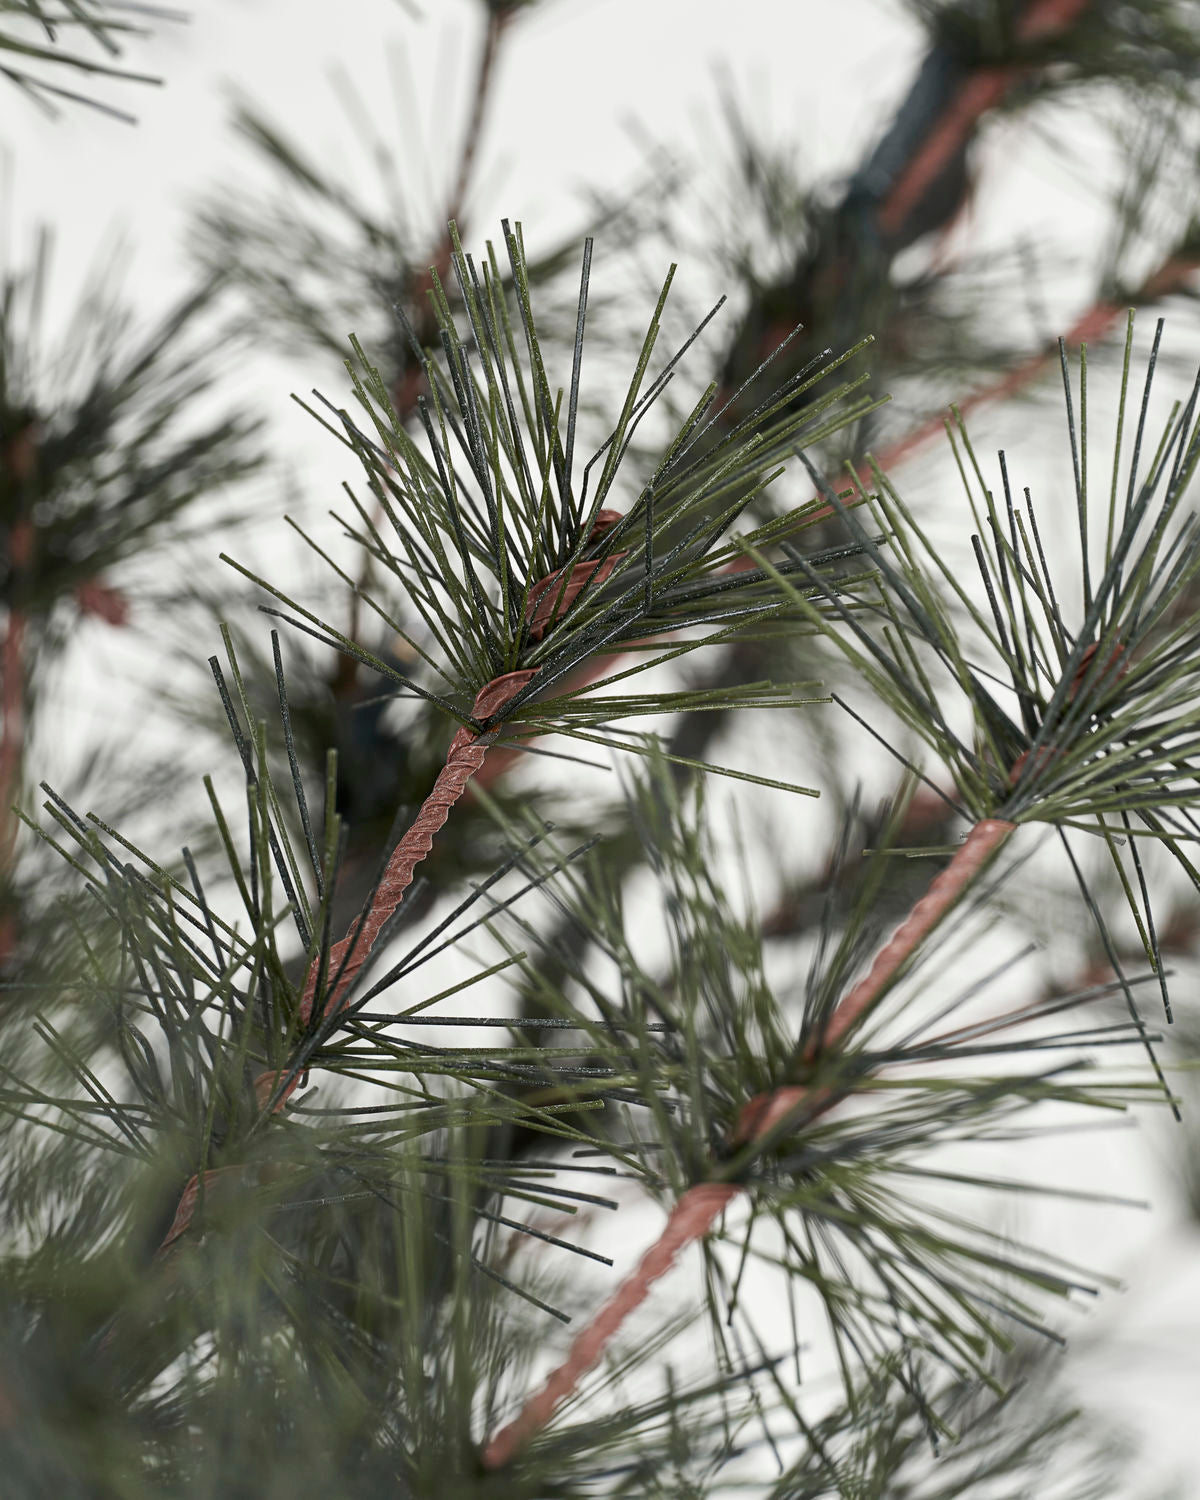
[700, 1206]
[1095, 323]
[346, 959]
[501, 758]
[541, 609]
[187, 1204]
[689, 1221]
[975, 853]
[982, 91]
[926, 821]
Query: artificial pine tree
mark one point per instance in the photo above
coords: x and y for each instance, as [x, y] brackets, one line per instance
[290, 1203]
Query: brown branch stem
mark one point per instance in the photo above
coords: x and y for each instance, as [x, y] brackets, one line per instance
[690, 1220]
[700, 1206]
[347, 958]
[1095, 323]
[979, 93]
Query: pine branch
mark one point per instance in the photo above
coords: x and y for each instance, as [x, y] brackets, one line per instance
[763, 1120]
[1036, 21]
[107, 23]
[340, 1275]
[917, 149]
[1087, 667]
[346, 959]
[439, 508]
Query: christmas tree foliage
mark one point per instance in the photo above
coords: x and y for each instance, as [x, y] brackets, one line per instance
[41, 45]
[349, 1147]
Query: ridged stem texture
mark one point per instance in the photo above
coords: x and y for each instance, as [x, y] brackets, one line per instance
[698, 1209]
[346, 959]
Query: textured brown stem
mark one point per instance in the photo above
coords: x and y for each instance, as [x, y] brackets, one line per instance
[501, 758]
[346, 959]
[970, 858]
[1096, 323]
[700, 1206]
[690, 1220]
[537, 609]
[12, 730]
[187, 1204]
[463, 759]
[553, 595]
